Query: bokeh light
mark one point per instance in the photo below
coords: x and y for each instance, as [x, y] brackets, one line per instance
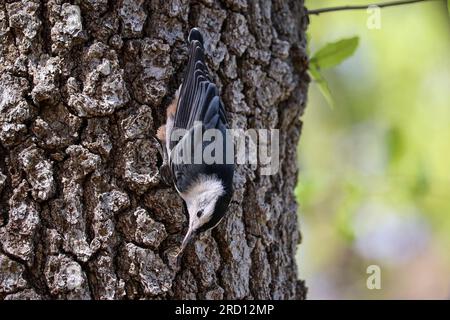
[374, 183]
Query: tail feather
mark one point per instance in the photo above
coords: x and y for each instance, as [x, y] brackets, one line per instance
[195, 34]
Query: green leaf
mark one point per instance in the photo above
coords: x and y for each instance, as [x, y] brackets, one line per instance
[448, 7]
[334, 53]
[322, 84]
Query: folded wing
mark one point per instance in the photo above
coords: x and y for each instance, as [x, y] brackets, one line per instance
[199, 105]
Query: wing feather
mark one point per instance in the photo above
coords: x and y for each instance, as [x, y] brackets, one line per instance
[193, 88]
[199, 101]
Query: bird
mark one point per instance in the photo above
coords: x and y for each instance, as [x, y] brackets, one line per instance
[206, 187]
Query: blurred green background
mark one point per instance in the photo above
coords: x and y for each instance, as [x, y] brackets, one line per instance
[374, 183]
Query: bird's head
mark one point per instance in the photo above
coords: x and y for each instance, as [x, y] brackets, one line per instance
[207, 202]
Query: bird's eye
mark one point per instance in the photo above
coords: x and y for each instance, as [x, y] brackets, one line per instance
[199, 213]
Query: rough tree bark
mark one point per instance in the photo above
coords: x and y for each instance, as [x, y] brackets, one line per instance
[83, 86]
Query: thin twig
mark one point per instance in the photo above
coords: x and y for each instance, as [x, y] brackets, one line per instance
[363, 7]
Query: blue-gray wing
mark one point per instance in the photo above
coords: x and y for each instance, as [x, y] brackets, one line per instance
[199, 98]
[199, 109]
[188, 154]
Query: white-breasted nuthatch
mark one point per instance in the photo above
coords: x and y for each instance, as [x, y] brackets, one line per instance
[205, 186]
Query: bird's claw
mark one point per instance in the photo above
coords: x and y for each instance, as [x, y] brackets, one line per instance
[164, 169]
[165, 174]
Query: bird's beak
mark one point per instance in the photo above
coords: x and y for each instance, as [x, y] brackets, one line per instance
[187, 239]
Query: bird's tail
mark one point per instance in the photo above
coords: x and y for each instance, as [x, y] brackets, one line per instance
[195, 34]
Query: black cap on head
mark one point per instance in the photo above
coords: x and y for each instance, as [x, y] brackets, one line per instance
[195, 34]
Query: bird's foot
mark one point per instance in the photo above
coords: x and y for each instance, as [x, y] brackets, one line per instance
[166, 174]
[164, 170]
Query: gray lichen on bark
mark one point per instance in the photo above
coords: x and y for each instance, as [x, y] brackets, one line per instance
[83, 87]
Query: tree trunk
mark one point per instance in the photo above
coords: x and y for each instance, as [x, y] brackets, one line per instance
[84, 84]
